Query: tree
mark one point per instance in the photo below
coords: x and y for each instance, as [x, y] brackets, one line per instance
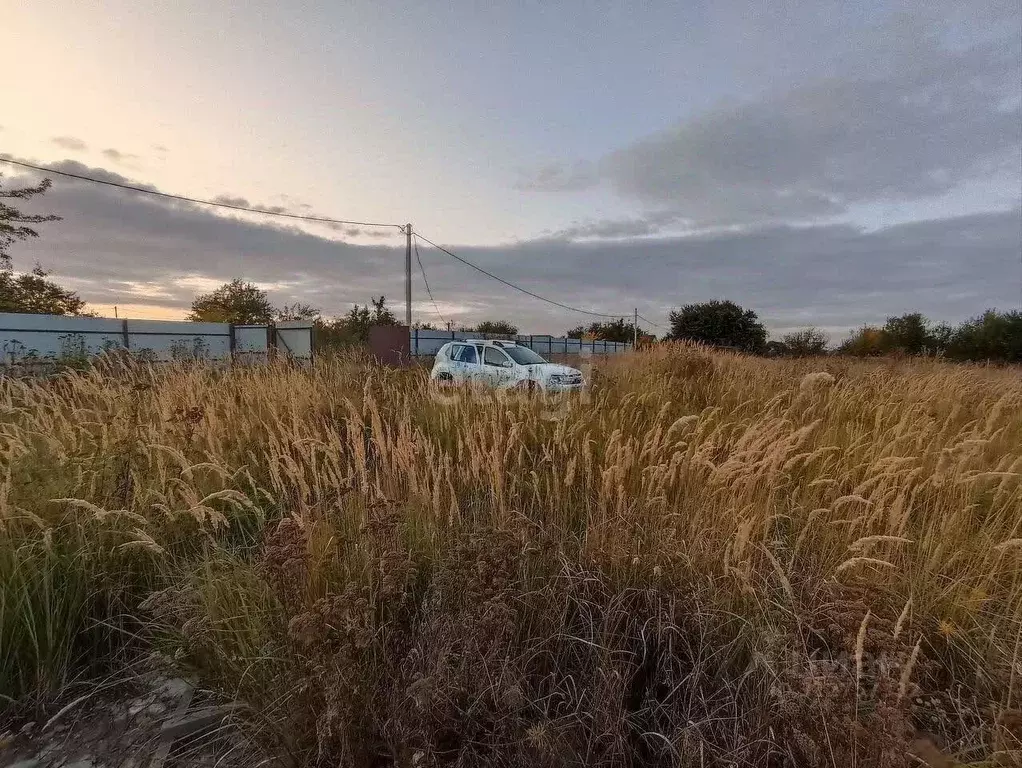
[908, 333]
[236, 302]
[616, 330]
[496, 327]
[354, 327]
[28, 292]
[868, 341]
[805, 343]
[32, 293]
[297, 311]
[719, 323]
[991, 336]
[941, 336]
[13, 222]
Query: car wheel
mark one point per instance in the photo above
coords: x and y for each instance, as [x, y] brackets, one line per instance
[444, 380]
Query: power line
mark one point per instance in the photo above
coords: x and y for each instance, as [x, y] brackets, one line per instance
[415, 242]
[319, 219]
[213, 203]
[512, 285]
[656, 325]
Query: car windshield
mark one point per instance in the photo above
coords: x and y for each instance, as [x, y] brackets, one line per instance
[524, 356]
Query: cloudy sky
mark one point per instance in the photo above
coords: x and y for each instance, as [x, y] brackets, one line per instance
[824, 163]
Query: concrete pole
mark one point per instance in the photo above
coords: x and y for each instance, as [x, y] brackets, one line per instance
[408, 275]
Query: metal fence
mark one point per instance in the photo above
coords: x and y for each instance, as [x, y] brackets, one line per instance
[425, 343]
[27, 339]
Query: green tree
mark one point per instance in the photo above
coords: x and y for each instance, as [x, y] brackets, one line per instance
[14, 223]
[719, 323]
[353, 328]
[615, 330]
[496, 327]
[908, 333]
[993, 336]
[941, 336]
[805, 343]
[237, 302]
[28, 292]
[32, 293]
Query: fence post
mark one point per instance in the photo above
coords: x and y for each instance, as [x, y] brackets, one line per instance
[232, 339]
[124, 331]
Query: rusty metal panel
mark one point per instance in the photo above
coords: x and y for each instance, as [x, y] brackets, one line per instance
[390, 344]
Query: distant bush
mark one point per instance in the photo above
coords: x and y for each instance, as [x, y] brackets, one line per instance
[993, 336]
[805, 343]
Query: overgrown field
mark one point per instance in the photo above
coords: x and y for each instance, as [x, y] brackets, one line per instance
[711, 561]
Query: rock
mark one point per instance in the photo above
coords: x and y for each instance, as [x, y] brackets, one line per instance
[45, 751]
[193, 722]
[138, 705]
[174, 688]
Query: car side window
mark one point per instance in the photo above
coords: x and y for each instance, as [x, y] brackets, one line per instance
[493, 356]
[466, 354]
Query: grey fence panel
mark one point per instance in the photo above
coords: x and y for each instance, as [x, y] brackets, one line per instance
[46, 337]
[25, 339]
[176, 340]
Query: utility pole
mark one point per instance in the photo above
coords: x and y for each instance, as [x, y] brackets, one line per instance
[635, 329]
[408, 275]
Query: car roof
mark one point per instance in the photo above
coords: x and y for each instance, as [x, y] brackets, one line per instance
[489, 342]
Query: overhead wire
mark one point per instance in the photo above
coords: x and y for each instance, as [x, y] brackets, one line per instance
[655, 325]
[199, 201]
[323, 220]
[516, 287]
[415, 242]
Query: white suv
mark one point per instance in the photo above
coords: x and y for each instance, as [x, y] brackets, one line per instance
[501, 364]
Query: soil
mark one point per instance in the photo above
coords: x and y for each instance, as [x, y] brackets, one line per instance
[151, 721]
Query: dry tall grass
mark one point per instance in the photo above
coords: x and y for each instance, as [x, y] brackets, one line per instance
[714, 561]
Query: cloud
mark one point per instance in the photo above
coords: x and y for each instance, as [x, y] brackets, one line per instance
[117, 156]
[617, 228]
[559, 176]
[243, 202]
[119, 247]
[160, 148]
[905, 119]
[70, 143]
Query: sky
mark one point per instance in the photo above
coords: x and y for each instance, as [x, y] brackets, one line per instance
[822, 163]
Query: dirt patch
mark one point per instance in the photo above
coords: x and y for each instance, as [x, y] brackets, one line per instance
[149, 722]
